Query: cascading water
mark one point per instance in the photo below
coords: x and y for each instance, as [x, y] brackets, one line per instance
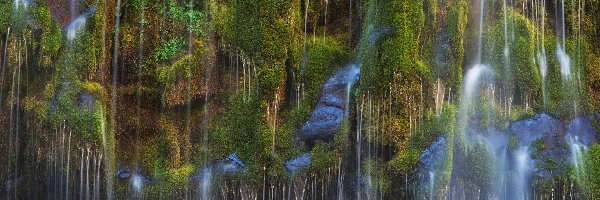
[205, 184]
[506, 51]
[387, 127]
[522, 172]
[431, 184]
[137, 185]
[561, 53]
[542, 54]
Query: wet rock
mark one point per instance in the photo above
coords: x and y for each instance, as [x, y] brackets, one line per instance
[534, 128]
[230, 164]
[297, 163]
[581, 130]
[431, 159]
[123, 174]
[329, 111]
[85, 100]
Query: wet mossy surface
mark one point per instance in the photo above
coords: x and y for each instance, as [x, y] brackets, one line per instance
[198, 80]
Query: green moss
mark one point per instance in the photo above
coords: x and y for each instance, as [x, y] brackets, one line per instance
[591, 182]
[517, 74]
[394, 52]
[405, 161]
[182, 68]
[242, 130]
[537, 147]
[456, 26]
[477, 165]
[513, 143]
[168, 50]
[324, 56]
[4, 15]
[436, 126]
[432, 128]
[321, 157]
[519, 113]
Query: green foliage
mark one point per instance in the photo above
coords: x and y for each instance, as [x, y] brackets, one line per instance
[86, 120]
[194, 19]
[439, 126]
[168, 50]
[537, 147]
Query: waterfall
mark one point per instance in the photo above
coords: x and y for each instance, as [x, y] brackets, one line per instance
[522, 169]
[561, 53]
[358, 149]
[77, 25]
[577, 149]
[479, 42]
[87, 175]
[73, 8]
[137, 184]
[205, 184]
[506, 44]
[542, 55]
[68, 165]
[81, 175]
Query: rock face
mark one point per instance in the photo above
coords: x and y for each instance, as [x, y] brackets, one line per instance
[532, 129]
[329, 111]
[124, 174]
[297, 163]
[432, 157]
[430, 161]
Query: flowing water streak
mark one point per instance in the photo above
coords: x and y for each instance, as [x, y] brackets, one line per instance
[4, 64]
[522, 169]
[137, 184]
[73, 7]
[75, 27]
[205, 183]
[87, 175]
[97, 183]
[577, 149]
[542, 55]
[431, 184]
[109, 151]
[506, 45]
[81, 175]
[68, 165]
[561, 53]
[358, 149]
[479, 42]
[17, 125]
